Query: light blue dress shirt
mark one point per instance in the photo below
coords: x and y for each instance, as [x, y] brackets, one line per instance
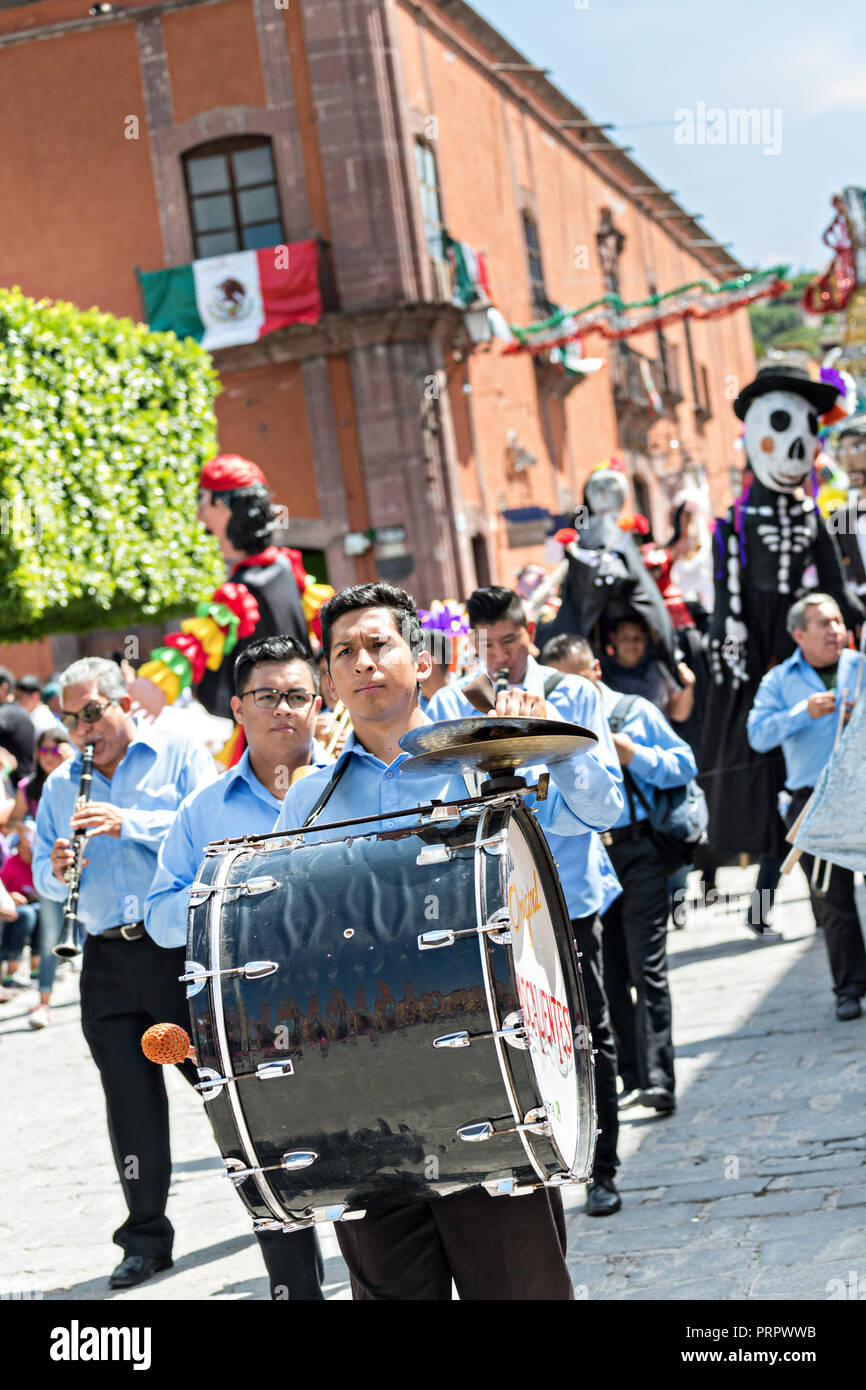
[156, 773]
[585, 871]
[661, 758]
[236, 804]
[780, 717]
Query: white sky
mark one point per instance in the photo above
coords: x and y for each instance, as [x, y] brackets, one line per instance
[637, 62]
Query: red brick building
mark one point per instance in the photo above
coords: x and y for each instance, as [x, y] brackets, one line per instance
[150, 134]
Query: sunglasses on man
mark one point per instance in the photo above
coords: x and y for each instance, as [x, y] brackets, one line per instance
[90, 714]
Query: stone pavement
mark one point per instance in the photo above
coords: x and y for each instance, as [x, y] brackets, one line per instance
[755, 1188]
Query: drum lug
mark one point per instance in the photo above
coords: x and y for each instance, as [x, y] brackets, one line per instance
[338, 1212]
[507, 1187]
[542, 787]
[453, 1040]
[266, 1223]
[435, 854]
[445, 813]
[267, 1071]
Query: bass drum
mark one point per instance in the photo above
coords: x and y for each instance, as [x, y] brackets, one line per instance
[390, 1016]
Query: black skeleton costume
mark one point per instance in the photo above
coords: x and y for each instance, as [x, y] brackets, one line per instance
[770, 547]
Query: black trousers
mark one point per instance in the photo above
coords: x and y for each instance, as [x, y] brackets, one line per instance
[635, 954]
[125, 987]
[494, 1248]
[836, 914]
[588, 940]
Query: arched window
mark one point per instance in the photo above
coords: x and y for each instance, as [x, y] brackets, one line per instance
[231, 188]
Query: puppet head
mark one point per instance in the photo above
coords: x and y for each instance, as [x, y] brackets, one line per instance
[781, 410]
[605, 491]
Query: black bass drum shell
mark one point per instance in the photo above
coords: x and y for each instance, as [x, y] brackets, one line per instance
[355, 1006]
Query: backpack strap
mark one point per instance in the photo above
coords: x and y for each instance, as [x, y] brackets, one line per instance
[552, 681]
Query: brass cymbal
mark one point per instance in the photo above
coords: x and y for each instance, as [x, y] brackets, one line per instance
[490, 744]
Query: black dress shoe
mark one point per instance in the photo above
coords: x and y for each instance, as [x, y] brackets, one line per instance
[848, 1006]
[602, 1198]
[657, 1098]
[626, 1099]
[135, 1269]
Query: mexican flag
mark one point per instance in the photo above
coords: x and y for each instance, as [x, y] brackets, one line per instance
[223, 301]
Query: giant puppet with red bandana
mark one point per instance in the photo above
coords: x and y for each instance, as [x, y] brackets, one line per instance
[267, 592]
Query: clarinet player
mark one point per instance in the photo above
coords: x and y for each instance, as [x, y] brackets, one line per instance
[128, 982]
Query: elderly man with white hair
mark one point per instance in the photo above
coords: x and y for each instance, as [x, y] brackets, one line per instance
[128, 982]
[796, 707]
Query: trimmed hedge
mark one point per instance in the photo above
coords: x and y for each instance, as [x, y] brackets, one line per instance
[104, 427]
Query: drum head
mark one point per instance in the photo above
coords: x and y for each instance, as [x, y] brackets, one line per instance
[491, 744]
[553, 1004]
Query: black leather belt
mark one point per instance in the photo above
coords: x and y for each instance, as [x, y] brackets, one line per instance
[130, 931]
[624, 832]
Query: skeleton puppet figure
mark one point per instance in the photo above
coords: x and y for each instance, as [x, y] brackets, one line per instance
[770, 545]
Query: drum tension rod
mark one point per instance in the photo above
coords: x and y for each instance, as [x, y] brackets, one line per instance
[534, 1122]
[212, 1082]
[312, 1216]
[253, 970]
[249, 889]
[496, 929]
[290, 1163]
[465, 1039]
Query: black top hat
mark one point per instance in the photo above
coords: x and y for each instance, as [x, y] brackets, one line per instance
[820, 394]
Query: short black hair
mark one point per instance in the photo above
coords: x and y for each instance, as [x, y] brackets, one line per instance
[29, 685]
[277, 648]
[491, 605]
[6, 676]
[400, 605]
[567, 644]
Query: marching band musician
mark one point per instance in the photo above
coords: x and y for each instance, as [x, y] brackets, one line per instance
[505, 636]
[139, 779]
[276, 702]
[797, 706]
[492, 1248]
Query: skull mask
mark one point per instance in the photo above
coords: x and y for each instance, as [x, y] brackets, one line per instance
[781, 439]
[605, 491]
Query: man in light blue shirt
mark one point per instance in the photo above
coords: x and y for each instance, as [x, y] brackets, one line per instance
[635, 926]
[503, 639]
[796, 707]
[276, 703]
[140, 778]
[491, 1248]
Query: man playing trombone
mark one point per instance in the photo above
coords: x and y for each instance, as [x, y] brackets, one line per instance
[796, 706]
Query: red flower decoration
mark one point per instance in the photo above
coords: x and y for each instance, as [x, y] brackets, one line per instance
[238, 599]
[192, 649]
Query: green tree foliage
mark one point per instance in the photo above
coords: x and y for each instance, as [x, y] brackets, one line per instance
[780, 323]
[104, 427]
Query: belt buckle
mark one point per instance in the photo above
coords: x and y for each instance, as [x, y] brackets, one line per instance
[131, 927]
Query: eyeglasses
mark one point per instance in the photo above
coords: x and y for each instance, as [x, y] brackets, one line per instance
[49, 748]
[268, 698]
[91, 712]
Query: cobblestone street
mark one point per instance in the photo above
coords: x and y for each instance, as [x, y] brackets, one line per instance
[755, 1188]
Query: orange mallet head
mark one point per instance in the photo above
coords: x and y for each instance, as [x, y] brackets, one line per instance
[165, 1043]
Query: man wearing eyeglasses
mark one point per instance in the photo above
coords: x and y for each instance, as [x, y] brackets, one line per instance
[276, 701]
[140, 778]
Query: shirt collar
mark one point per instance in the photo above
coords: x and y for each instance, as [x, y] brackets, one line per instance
[353, 746]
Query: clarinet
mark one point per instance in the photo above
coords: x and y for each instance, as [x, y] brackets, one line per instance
[68, 946]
